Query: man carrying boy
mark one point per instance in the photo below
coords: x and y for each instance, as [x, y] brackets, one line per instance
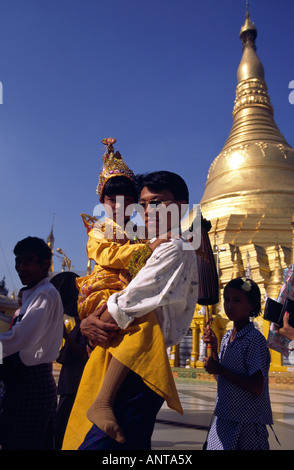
[29, 347]
[167, 285]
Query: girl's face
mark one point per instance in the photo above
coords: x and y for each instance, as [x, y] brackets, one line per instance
[236, 305]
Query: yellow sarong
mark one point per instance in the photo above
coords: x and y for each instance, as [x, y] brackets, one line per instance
[142, 349]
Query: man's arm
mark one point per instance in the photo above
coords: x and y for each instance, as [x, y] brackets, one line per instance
[158, 283]
[100, 326]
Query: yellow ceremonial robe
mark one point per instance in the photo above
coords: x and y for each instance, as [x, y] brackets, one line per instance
[140, 347]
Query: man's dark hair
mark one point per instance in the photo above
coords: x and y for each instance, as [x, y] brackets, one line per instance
[120, 185]
[165, 180]
[35, 245]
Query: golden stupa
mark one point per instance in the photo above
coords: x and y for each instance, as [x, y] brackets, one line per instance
[254, 172]
[249, 193]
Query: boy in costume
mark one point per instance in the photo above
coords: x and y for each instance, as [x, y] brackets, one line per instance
[112, 249]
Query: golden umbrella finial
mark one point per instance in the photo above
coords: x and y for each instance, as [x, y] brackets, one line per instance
[66, 261]
[248, 27]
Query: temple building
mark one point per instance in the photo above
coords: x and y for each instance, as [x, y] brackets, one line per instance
[249, 197]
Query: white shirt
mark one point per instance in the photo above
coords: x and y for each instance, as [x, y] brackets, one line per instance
[38, 336]
[167, 285]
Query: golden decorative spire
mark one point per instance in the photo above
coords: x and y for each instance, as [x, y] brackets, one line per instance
[276, 277]
[237, 269]
[248, 273]
[253, 111]
[89, 267]
[251, 88]
[113, 165]
[248, 34]
[50, 243]
[254, 171]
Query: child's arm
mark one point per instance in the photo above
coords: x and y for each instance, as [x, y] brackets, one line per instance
[113, 254]
[253, 383]
[104, 248]
[110, 254]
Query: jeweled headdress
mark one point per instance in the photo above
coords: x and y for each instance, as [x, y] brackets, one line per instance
[113, 165]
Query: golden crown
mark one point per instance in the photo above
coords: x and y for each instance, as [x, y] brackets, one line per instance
[113, 165]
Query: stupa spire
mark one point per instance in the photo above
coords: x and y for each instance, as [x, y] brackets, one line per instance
[250, 65]
[253, 112]
[50, 243]
[253, 173]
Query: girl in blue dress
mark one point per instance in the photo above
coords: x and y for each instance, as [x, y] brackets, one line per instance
[243, 407]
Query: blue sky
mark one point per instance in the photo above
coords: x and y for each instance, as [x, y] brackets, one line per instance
[158, 75]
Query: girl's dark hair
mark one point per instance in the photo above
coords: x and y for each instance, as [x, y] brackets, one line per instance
[35, 245]
[120, 185]
[251, 289]
[165, 180]
[65, 283]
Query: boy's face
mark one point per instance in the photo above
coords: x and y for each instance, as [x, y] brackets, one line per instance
[116, 205]
[30, 269]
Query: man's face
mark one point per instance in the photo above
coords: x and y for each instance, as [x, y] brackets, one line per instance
[159, 221]
[30, 269]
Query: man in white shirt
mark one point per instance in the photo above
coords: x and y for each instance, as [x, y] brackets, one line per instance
[29, 347]
[167, 285]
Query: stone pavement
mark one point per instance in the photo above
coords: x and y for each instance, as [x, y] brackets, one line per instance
[174, 432]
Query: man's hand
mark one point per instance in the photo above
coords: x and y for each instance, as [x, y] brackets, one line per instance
[99, 327]
[287, 331]
[107, 318]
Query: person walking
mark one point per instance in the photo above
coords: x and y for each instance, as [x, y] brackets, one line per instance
[28, 412]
